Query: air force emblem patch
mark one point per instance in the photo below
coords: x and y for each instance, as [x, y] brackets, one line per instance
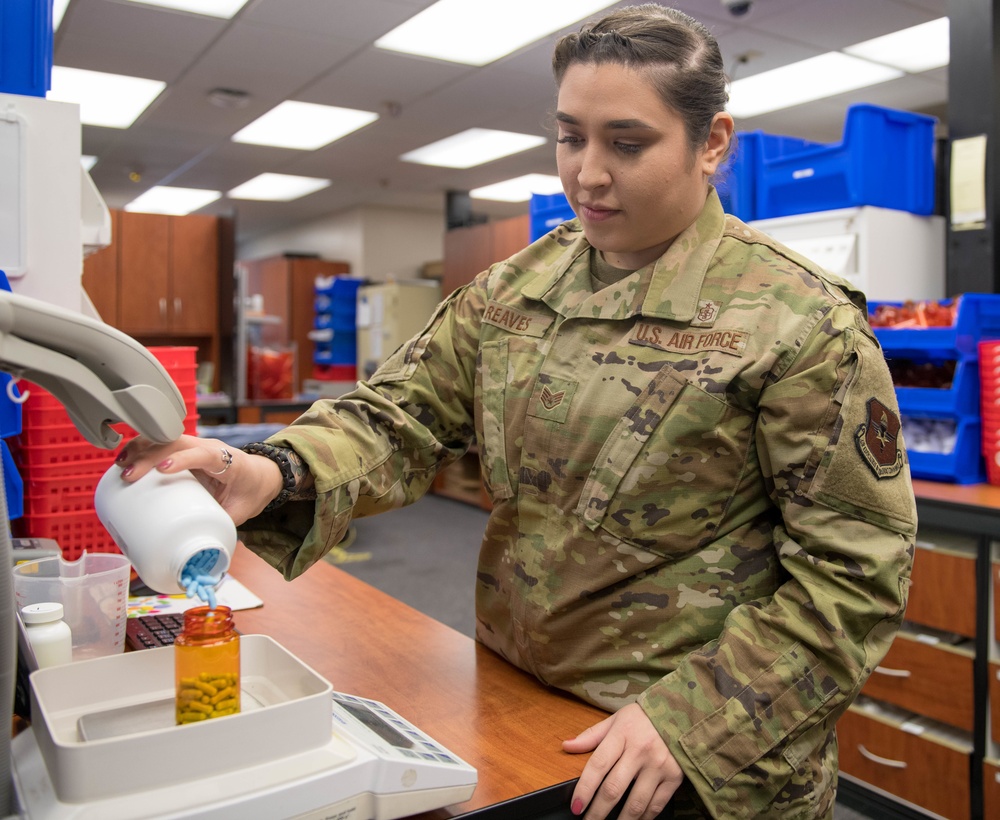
[878, 440]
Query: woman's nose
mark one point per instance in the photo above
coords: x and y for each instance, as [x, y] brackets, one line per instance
[593, 171]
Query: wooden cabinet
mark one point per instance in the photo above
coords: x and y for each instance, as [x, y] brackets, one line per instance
[169, 274]
[468, 251]
[288, 287]
[159, 281]
[957, 588]
[917, 765]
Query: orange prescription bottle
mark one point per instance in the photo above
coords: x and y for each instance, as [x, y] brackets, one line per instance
[207, 665]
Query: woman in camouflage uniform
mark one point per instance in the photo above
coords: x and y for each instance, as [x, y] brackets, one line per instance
[702, 516]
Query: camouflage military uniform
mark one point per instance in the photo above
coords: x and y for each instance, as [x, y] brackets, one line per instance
[701, 500]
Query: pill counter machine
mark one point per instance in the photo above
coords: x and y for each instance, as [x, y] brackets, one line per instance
[103, 743]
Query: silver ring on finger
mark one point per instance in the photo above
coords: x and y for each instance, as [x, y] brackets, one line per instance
[227, 462]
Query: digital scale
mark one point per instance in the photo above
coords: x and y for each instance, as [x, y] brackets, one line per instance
[103, 746]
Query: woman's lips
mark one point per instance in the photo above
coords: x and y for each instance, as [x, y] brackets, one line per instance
[597, 214]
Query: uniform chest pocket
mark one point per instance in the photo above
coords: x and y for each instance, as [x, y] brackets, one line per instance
[666, 474]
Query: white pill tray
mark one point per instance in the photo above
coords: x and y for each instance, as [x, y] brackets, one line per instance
[105, 722]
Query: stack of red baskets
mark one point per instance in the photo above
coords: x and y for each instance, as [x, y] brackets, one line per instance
[989, 403]
[60, 468]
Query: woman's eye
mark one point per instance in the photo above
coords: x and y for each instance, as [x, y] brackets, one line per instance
[628, 147]
[568, 140]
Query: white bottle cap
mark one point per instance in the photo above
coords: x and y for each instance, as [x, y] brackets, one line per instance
[42, 613]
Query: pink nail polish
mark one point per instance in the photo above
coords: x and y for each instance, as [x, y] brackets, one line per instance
[164, 464]
[577, 807]
[127, 471]
[121, 457]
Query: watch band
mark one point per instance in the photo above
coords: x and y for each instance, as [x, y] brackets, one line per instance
[279, 456]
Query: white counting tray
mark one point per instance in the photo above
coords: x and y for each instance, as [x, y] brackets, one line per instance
[103, 745]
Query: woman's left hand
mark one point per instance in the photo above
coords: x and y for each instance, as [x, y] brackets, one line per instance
[626, 747]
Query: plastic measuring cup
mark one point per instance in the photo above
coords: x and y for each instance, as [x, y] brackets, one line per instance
[93, 591]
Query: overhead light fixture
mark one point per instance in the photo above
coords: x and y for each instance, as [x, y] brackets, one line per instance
[805, 81]
[109, 100]
[915, 49]
[224, 9]
[58, 12]
[88, 161]
[472, 147]
[304, 126]
[519, 189]
[162, 199]
[277, 187]
[477, 32]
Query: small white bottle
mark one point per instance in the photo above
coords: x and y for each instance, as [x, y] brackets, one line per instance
[48, 634]
[163, 521]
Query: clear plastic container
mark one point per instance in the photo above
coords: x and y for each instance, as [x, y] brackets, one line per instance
[207, 665]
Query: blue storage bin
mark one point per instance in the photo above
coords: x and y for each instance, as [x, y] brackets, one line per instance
[963, 465]
[886, 159]
[978, 320]
[26, 47]
[546, 211]
[12, 482]
[341, 349]
[961, 399]
[736, 178]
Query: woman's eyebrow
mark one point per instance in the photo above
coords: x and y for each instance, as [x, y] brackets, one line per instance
[617, 125]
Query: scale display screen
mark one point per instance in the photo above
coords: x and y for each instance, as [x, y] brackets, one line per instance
[372, 721]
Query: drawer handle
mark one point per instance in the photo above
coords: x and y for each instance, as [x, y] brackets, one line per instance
[893, 673]
[882, 761]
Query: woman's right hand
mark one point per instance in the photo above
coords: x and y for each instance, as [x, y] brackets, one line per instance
[243, 484]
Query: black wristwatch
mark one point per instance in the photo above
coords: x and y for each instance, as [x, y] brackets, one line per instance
[280, 457]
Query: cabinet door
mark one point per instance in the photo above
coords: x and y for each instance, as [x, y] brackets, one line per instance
[144, 259]
[194, 274]
[100, 275]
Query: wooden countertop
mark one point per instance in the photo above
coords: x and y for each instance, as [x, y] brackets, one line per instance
[497, 718]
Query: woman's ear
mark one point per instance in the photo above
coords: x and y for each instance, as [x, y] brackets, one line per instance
[719, 136]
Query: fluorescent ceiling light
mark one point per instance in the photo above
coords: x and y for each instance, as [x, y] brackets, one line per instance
[110, 100]
[58, 10]
[305, 126]
[212, 8]
[175, 201]
[472, 147]
[519, 189]
[277, 187]
[805, 81]
[477, 32]
[915, 49]
[88, 161]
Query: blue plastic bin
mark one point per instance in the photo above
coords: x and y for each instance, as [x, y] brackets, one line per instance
[963, 465]
[978, 320]
[886, 159]
[26, 47]
[546, 211]
[736, 181]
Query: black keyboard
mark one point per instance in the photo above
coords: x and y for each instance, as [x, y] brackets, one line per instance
[151, 631]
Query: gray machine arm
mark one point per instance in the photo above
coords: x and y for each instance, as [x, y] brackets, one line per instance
[100, 374]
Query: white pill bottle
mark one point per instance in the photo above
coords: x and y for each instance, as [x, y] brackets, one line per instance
[163, 521]
[49, 636]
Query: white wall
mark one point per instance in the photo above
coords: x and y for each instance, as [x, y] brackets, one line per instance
[337, 238]
[397, 242]
[377, 242]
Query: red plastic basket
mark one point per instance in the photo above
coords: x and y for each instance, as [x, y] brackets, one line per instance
[75, 532]
[172, 357]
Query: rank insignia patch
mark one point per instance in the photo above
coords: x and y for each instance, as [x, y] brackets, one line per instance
[877, 440]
